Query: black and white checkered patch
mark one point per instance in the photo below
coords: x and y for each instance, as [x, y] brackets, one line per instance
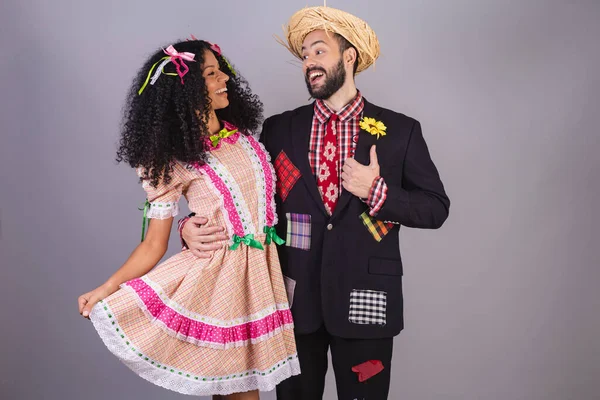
[367, 307]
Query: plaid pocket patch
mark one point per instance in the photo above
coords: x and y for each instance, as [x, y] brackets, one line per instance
[367, 307]
[376, 228]
[298, 231]
[287, 174]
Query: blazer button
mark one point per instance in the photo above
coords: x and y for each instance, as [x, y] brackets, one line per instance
[329, 227]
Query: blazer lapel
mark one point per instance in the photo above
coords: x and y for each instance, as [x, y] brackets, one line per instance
[361, 154]
[301, 126]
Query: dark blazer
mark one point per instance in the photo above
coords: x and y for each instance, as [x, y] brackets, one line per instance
[346, 278]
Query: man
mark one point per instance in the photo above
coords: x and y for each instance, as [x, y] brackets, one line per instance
[349, 174]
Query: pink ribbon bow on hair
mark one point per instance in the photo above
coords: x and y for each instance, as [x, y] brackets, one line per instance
[178, 58]
[215, 47]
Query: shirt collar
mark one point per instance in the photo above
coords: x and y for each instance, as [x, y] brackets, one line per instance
[350, 110]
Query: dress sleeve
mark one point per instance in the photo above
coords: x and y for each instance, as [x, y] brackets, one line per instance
[164, 198]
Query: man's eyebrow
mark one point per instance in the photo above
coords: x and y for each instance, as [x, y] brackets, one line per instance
[313, 44]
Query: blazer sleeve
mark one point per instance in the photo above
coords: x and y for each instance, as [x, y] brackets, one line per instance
[420, 201]
[264, 132]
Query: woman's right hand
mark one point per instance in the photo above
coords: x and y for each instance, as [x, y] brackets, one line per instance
[88, 300]
[140, 262]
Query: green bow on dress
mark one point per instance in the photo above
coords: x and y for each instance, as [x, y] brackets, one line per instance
[248, 240]
[223, 133]
[272, 236]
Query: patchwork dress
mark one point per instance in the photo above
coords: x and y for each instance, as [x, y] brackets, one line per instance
[210, 326]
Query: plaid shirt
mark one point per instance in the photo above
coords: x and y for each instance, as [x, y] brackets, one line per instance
[348, 128]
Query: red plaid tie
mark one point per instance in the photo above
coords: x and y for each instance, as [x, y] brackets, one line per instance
[327, 175]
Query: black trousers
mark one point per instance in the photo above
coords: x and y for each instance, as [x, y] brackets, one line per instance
[345, 354]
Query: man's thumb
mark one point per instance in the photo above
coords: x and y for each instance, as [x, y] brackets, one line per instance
[374, 162]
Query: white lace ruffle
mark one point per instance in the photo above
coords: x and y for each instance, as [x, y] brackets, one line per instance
[217, 192]
[180, 381]
[236, 193]
[261, 184]
[163, 210]
[274, 177]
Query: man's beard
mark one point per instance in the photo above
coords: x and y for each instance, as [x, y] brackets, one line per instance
[334, 80]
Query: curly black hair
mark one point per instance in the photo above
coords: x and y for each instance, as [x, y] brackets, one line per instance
[166, 122]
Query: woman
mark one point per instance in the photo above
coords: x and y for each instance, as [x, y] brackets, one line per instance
[221, 325]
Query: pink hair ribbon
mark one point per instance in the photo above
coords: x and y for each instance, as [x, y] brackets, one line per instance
[178, 58]
[215, 47]
[172, 56]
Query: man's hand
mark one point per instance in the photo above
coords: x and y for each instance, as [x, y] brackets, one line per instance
[201, 240]
[358, 178]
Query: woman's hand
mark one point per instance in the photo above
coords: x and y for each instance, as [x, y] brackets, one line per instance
[145, 256]
[88, 300]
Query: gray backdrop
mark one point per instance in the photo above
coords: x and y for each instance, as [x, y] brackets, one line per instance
[501, 302]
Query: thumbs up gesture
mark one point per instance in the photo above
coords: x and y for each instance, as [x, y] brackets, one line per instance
[358, 178]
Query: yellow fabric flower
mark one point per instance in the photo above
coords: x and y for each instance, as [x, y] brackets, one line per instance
[373, 126]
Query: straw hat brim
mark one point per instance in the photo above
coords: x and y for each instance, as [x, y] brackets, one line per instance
[352, 28]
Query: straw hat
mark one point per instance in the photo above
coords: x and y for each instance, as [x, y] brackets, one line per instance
[354, 29]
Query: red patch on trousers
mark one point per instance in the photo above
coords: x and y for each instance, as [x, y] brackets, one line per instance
[368, 369]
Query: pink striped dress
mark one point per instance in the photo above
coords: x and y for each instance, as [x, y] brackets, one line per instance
[210, 326]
